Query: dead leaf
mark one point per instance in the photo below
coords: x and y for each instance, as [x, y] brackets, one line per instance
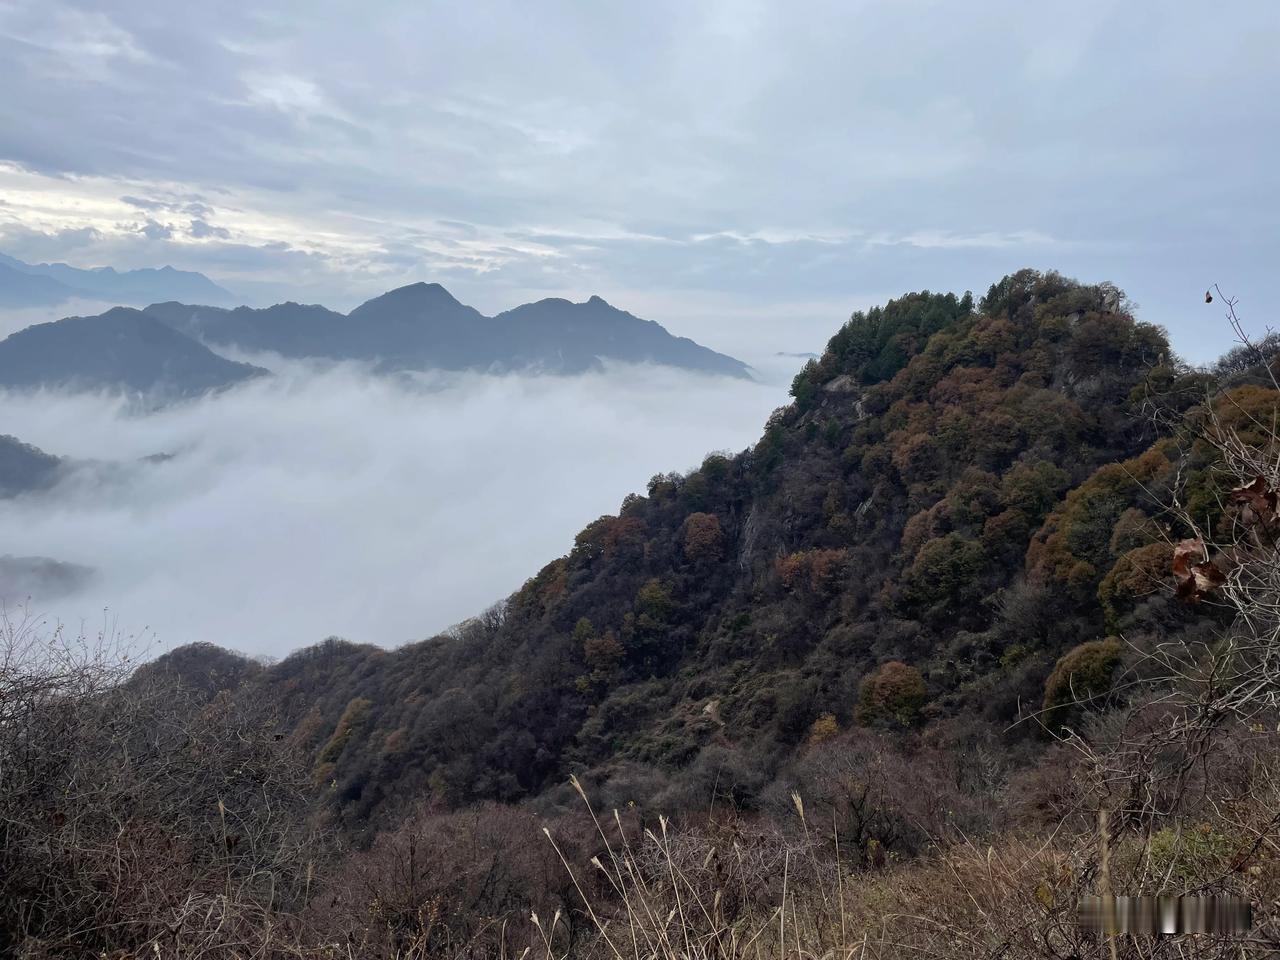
[1196, 574]
[1259, 502]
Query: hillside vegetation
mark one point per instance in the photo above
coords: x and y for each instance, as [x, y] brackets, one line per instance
[987, 621]
[946, 499]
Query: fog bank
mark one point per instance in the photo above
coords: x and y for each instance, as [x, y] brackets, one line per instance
[324, 502]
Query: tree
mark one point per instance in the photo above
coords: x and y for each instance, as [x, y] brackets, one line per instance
[703, 538]
[1080, 676]
[893, 694]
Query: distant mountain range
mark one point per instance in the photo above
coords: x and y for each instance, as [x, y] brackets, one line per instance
[163, 351]
[121, 350]
[48, 284]
[422, 326]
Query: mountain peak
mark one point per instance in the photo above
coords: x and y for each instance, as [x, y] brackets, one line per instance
[122, 349]
[421, 288]
[420, 294]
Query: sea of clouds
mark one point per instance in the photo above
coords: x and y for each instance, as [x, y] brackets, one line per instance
[329, 501]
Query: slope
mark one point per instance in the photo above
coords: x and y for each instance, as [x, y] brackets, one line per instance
[120, 350]
[902, 548]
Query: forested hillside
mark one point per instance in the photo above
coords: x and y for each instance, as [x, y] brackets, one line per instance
[959, 494]
[985, 624]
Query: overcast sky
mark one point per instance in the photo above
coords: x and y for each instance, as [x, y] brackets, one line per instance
[747, 173]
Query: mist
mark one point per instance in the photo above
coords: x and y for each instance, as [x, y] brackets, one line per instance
[330, 501]
[13, 319]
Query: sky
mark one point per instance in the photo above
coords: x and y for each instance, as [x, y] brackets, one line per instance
[746, 173]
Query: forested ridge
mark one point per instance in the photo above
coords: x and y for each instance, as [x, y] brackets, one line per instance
[958, 495]
[986, 623]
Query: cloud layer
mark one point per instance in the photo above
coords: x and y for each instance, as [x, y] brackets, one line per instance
[726, 154]
[333, 502]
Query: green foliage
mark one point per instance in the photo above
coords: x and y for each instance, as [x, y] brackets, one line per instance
[874, 345]
[1249, 411]
[947, 568]
[1082, 674]
[654, 600]
[1184, 855]
[1018, 292]
[1073, 548]
[1140, 572]
[805, 386]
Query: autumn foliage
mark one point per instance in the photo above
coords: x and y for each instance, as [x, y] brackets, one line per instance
[892, 694]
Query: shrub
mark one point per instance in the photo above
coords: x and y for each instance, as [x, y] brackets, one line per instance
[892, 694]
[1137, 574]
[823, 729]
[1080, 675]
[945, 568]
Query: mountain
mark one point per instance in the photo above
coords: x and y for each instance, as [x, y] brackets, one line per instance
[949, 619]
[422, 326]
[958, 496]
[290, 329]
[120, 350]
[24, 468]
[39, 579]
[562, 335]
[19, 289]
[46, 284]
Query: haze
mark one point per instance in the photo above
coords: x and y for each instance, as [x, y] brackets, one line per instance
[333, 502]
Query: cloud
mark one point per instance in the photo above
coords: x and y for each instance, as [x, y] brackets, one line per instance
[144, 204]
[200, 229]
[672, 147]
[14, 319]
[155, 231]
[333, 502]
[943, 240]
[81, 39]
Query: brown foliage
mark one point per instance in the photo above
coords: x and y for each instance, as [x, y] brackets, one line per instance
[703, 538]
[134, 818]
[893, 693]
[815, 570]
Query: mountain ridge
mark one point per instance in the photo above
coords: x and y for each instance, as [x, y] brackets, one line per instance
[121, 349]
[25, 284]
[902, 547]
[422, 326]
